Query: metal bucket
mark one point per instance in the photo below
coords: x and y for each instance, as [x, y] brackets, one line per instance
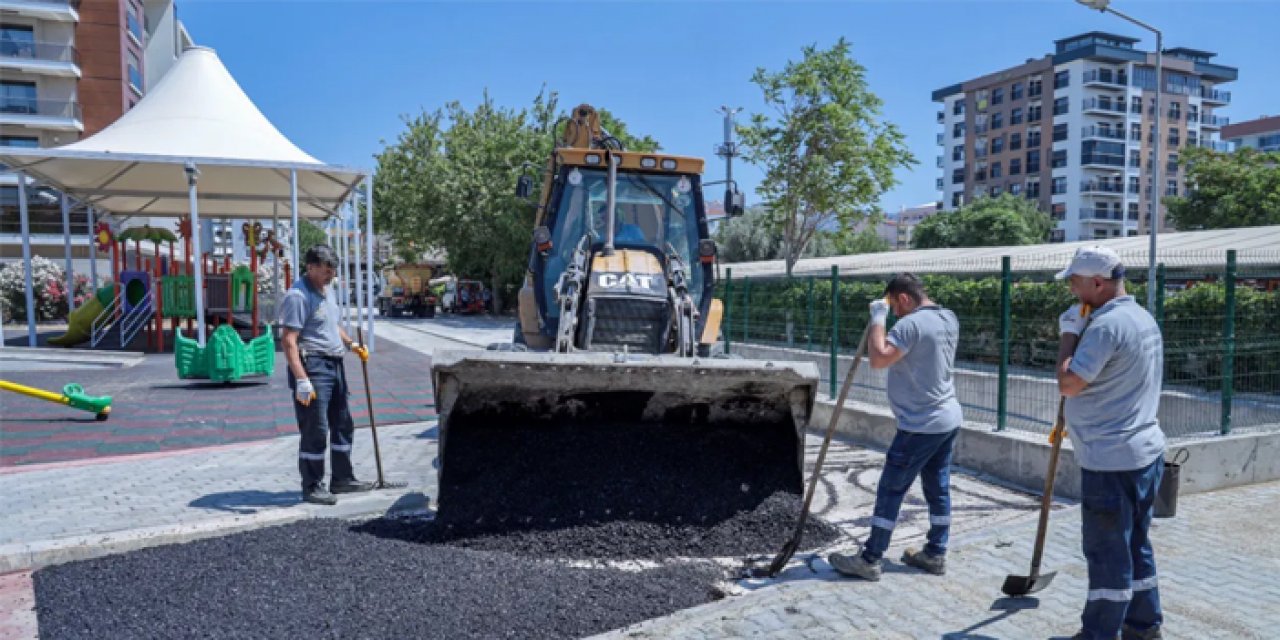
[1167, 494]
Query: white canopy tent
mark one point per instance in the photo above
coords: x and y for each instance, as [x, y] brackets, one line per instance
[196, 144]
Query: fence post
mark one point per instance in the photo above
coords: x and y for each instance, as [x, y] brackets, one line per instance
[1002, 398]
[726, 329]
[809, 323]
[1160, 296]
[746, 308]
[835, 328]
[1229, 343]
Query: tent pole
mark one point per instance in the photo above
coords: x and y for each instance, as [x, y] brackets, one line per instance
[359, 284]
[293, 203]
[26, 258]
[93, 252]
[193, 174]
[66, 250]
[276, 273]
[344, 263]
[368, 225]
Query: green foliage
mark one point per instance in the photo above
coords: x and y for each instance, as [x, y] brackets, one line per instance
[1228, 190]
[309, 235]
[747, 238]
[826, 152]
[986, 222]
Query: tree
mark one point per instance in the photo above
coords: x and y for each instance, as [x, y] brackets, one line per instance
[986, 222]
[1227, 190]
[827, 155]
[847, 244]
[747, 238]
[309, 235]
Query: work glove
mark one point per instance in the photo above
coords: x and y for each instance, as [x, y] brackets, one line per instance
[360, 350]
[304, 393]
[1072, 320]
[879, 311]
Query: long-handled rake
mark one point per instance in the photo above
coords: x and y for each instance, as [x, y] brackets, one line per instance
[382, 482]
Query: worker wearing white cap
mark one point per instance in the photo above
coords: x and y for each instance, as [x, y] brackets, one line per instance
[1110, 368]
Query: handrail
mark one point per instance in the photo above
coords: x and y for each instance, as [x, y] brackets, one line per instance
[135, 320]
[105, 321]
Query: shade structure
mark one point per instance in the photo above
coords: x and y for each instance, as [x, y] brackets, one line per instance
[196, 114]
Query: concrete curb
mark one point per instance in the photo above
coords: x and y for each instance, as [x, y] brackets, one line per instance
[119, 359]
[442, 334]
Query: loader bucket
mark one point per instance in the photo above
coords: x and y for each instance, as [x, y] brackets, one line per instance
[552, 440]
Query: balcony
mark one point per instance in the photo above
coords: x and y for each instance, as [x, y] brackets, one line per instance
[941, 117]
[1101, 161]
[1111, 216]
[1093, 187]
[55, 10]
[61, 115]
[1102, 106]
[1215, 96]
[1106, 78]
[1104, 133]
[1215, 122]
[43, 58]
[1216, 145]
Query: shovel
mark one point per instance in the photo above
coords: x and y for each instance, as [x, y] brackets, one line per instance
[789, 549]
[373, 428]
[1026, 585]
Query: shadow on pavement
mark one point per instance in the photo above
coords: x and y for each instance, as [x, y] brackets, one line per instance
[1006, 606]
[247, 502]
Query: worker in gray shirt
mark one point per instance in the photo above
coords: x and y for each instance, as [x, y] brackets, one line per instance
[314, 345]
[1112, 385]
[920, 353]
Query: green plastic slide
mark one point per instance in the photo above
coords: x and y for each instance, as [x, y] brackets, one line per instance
[80, 321]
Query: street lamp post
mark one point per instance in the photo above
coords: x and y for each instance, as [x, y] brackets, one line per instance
[1153, 221]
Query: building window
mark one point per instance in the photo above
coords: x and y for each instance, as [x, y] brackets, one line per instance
[1015, 141]
[1015, 166]
[26, 142]
[1033, 161]
[957, 153]
[134, 23]
[997, 120]
[957, 175]
[957, 199]
[1171, 187]
[1059, 186]
[135, 74]
[1033, 87]
[1175, 110]
[997, 144]
[995, 170]
[1015, 116]
[1134, 185]
[1133, 211]
[1175, 138]
[1060, 132]
[1059, 158]
[1135, 132]
[1033, 189]
[1015, 189]
[1058, 211]
[1033, 112]
[1193, 138]
[1061, 79]
[1101, 152]
[957, 130]
[18, 97]
[995, 190]
[1015, 93]
[997, 95]
[1061, 106]
[17, 41]
[1172, 165]
[1057, 235]
[1135, 159]
[1033, 138]
[957, 109]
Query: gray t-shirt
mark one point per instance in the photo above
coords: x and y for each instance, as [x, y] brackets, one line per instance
[1113, 422]
[921, 388]
[314, 316]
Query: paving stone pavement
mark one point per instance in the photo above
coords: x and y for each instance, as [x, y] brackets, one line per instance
[1218, 564]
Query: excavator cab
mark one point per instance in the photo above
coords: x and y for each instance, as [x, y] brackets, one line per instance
[608, 403]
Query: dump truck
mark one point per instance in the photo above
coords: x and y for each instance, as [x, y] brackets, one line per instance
[407, 290]
[612, 399]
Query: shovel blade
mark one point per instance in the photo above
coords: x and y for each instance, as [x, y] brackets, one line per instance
[1026, 585]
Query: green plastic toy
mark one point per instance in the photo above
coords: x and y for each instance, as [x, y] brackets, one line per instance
[73, 395]
[226, 358]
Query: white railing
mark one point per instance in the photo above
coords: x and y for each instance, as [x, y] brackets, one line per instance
[133, 321]
[105, 320]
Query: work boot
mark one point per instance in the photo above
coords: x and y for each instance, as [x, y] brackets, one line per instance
[318, 495]
[1129, 633]
[350, 486]
[855, 566]
[925, 561]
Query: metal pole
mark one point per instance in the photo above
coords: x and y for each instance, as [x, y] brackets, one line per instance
[277, 276]
[66, 250]
[193, 175]
[1229, 343]
[93, 252]
[344, 240]
[368, 225]
[1158, 187]
[835, 328]
[293, 205]
[25, 223]
[809, 323]
[358, 284]
[746, 309]
[1160, 296]
[1002, 398]
[728, 306]
[728, 150]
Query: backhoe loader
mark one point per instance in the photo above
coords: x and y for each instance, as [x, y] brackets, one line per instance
[611, 401]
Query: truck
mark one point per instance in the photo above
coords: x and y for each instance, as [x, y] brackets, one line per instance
[407, 291]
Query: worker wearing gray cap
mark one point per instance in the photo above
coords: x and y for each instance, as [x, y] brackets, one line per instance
[1110, 368]
[314, 345]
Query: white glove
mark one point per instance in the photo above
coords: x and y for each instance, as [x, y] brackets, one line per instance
[879, 311]
[304, 393]
[1072, 320]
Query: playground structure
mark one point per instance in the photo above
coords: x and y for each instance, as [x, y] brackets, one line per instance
[72, 395]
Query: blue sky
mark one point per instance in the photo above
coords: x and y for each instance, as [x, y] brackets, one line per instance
[336, 77]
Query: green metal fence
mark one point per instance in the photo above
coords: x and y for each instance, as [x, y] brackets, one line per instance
[1220, 315]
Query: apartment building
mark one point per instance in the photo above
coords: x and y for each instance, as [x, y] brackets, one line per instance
[68, 69]
[1073, 131]
[1262, 134]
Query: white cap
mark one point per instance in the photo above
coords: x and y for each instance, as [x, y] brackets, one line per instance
[1093, 262]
